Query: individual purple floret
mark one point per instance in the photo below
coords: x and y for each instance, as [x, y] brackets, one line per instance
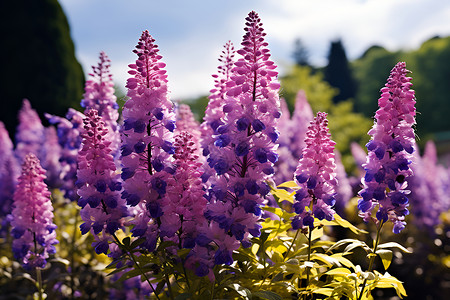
[99, 95]
[390, 152]
[244, 146]
[316, 176]
[32, 217]
[9, 172]
[147, 140]
[99, 186]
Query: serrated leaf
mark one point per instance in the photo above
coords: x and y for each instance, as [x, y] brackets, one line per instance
[386, 257]
[267, 295]
[288, 184]
[394, 245]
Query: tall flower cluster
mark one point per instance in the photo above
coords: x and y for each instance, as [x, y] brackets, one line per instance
[69, 136]
[316, 176]
[32, 217]
[428, 196]
[99, 94]
[244, 146]
[147, 138]
[214, 112]
[292, 137]
[184, 204]
[390, 152]
[103, 209]
[187, 122]
[30, 134]
[9, 171]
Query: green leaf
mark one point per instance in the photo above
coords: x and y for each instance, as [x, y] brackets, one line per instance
[394, 245]
[283, 195]
[324, 291]
[339, 221]
[339, 271]
[288, 184]
[267, 295]
[242, 291]
[386, 257]
[136, 243]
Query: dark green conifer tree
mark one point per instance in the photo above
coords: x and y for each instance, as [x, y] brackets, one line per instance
[37, 59]
[338, 73]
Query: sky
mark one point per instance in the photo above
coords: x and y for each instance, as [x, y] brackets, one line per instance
[191, 33]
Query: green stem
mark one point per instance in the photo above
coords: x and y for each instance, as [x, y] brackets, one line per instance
[372, 258]
[72, 257]
[309, 258]
[290, 246]
[39, 283]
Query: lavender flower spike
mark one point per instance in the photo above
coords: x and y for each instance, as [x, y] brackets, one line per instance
[99, 94]
[244, 145]
[32, 216]
[103, 210]
[9, 171]
[316, 176]
[390, 152]
[147, 139]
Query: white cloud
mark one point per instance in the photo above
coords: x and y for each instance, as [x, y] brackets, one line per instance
[191, 33]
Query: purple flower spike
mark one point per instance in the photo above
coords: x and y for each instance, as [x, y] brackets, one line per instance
[390, 152]
[30, 134]
[103, 209]
[9, 171]
[99, 95]
[147, 139]
[242, 150]
[316, 176]
[32, 216]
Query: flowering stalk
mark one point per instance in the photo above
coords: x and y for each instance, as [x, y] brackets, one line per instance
[32, 217]
[244, 146]
[390, 152]
[214, 112]
[147, 141]
[103, 210]
[316, 176]
[99, 94]
[69, 136]
[9, 171]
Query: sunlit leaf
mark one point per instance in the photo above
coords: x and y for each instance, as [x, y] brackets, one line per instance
[288, 184]
[386, 257]
[394, 245]
[267, 295]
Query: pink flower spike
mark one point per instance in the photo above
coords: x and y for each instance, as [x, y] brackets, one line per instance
[316, 176]
[32, 217]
